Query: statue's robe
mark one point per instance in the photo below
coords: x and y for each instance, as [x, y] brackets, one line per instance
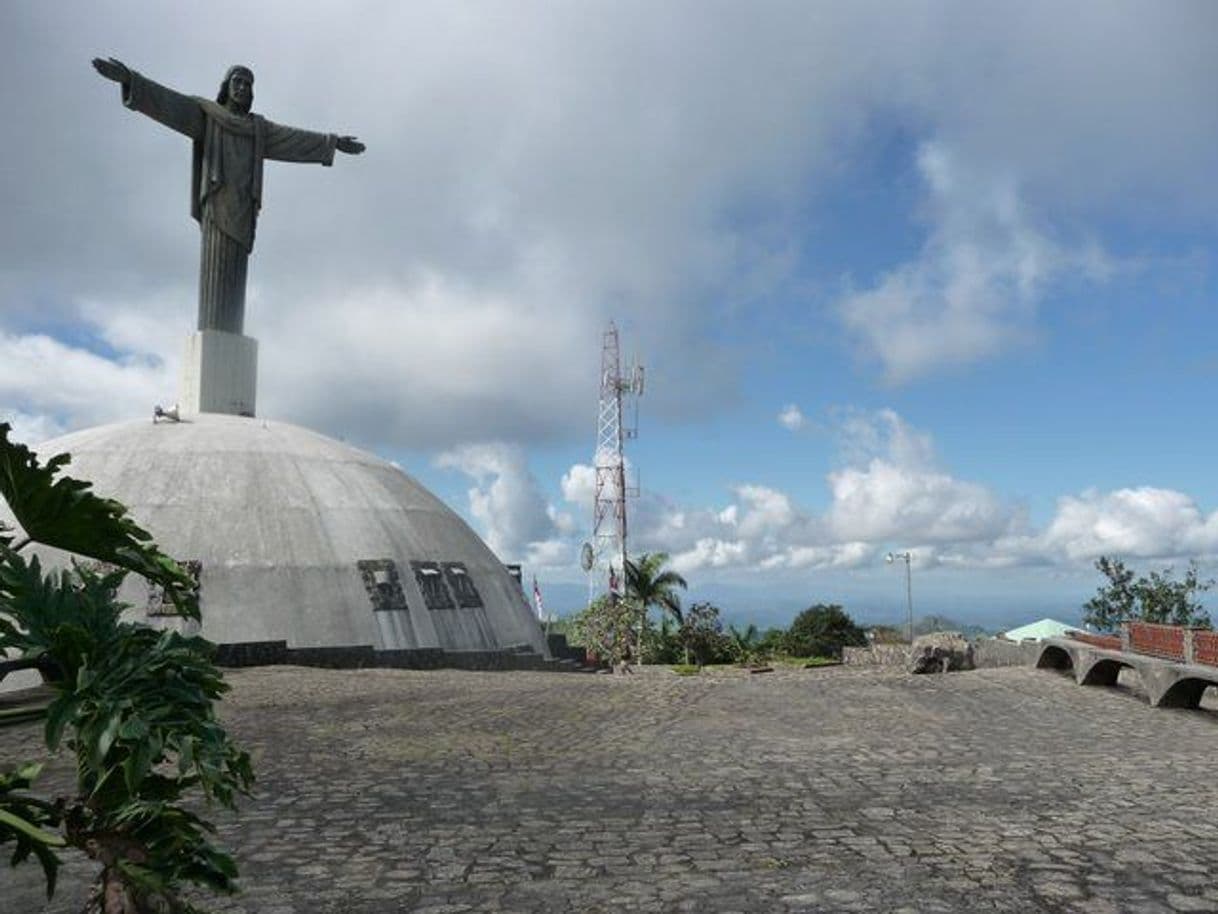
[225, 184]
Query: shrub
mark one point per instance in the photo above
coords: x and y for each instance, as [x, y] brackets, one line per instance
[135, 706]
[822, 631]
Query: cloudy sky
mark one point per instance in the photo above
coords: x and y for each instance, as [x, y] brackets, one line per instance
[925, 276]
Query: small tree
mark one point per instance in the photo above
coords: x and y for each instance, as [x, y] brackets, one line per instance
[702, 634]
[134, 705]
[1157, 597]
[746, 643]
[609, 628]
[822, 631]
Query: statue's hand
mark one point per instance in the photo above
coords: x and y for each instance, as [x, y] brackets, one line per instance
[112, 68]
[349, 145]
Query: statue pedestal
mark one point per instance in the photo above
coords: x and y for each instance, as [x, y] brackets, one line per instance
[219, 373]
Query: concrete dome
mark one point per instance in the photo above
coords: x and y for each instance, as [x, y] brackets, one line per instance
[296, 537]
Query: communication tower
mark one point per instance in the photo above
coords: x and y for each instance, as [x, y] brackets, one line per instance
[606, 554]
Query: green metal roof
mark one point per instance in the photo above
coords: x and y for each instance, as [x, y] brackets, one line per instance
[1037, 631]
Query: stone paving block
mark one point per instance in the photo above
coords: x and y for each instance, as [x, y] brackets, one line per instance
[806, 790]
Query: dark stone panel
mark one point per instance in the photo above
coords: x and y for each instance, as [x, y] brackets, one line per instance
[430, 579]
[462, 586]
[383, 585]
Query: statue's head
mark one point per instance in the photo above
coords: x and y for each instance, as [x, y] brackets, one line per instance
[237, 90]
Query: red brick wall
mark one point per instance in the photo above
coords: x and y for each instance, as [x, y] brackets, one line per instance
[1107, 642]
[1165, 641]
[1205, 648]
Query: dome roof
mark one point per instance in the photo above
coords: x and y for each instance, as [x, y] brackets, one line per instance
[298, 537]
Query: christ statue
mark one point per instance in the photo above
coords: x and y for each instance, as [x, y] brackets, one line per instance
[230, 144]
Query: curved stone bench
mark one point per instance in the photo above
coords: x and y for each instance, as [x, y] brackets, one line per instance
[1168, 684]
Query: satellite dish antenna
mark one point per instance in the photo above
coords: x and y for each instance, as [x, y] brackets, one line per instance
[586, 557]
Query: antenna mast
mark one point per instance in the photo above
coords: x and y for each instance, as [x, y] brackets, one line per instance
[609, 509]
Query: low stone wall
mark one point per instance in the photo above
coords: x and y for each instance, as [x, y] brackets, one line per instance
[876, 655]
[992, 652]
[987, 652]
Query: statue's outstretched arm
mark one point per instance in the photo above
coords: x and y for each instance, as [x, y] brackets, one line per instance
[112, 68]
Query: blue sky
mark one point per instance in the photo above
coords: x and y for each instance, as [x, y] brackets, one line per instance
[969, 257]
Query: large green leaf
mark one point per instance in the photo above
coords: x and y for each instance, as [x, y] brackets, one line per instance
[64, 513]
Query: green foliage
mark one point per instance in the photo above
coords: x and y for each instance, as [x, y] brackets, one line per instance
[746, 643]
[25, 820]
[701, 634]
[1157, 597]
[609, 629]
[662, 642]
[822, 631]
[770, 644]
[650, 585]
[686, 669]
[134, 705]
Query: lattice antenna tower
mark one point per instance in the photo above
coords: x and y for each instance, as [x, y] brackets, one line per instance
[608, 546]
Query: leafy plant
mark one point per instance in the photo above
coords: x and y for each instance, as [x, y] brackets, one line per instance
[1157, 597]
[702, 635]
[652, 585]
[746, 642]
[822, 631]
[609, 629]
[134, 705]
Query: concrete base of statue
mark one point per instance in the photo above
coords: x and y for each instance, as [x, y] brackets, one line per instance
[219, 373]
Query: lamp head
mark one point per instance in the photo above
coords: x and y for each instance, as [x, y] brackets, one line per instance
[890, 558]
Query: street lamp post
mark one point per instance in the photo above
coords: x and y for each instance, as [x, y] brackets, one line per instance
[907, 558]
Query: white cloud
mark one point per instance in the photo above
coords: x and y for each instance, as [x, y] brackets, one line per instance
[506, 501]
[892, 489]
[579, 486]
[710, 553]
[1142, 522]
[764, 511]
[791, 418]
[31, 430]
[51, 385]
[891, 492]
[973, 289]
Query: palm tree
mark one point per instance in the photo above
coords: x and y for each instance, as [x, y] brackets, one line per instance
[649, 584]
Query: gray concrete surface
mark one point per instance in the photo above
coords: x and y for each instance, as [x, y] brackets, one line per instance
[800, 790]
[296, 537]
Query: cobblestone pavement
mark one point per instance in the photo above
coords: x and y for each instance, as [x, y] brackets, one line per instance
[800, 790]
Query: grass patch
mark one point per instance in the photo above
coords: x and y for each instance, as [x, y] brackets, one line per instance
[686, 669]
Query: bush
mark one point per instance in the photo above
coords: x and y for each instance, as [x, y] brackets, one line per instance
[608, 628]
[134, 705]
[702, 635]
[822, 631]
